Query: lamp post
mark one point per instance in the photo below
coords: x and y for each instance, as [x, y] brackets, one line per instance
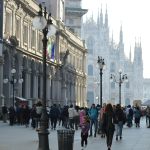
[40, 22]
[101, 65]
[121, 79]
[13, 81]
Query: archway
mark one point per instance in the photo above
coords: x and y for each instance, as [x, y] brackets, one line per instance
[90, 97]
[127, 101]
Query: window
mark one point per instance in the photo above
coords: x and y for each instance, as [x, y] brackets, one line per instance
[7, 22]
[25, 37]
[17, 29]
[112, 67]
[113, 85]
[90, 70]
[70, 21]
[33, 38]
[71, 30]
[40, 43]
[74, 61]
[90, 98]
[128, 85]
[43, 4]
[90, 46]
[127, 101]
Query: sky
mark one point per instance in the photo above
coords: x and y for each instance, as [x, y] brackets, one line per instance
[134, 15]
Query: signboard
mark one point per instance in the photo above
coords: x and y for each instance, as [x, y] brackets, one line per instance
[1, 20]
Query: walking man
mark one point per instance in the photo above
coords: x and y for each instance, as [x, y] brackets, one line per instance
[93, 113]
[4, 109]
[129, 113]
[12, 114]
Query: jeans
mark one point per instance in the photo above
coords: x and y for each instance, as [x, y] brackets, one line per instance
[76, 121]
[71, 121]
[118, 127]
[67, 122]
[54, 120]
[129, 120]
[93, 121]
[36, 122]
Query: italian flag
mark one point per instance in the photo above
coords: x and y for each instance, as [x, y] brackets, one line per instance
[48, 47]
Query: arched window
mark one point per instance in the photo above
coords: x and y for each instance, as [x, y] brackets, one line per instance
[90, 98]
[112, 67]
[71, 30]
[128, 85]
[127, 101]
[70, 21]
[90, 46]
[113, 85]
[90, 70]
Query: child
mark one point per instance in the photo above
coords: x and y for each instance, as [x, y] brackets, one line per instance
[84, 132]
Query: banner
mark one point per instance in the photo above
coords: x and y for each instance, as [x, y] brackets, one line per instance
[1, 20]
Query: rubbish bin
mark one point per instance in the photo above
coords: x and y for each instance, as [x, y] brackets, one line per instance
[65, 139]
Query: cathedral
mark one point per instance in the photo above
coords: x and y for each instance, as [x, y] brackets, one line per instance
[99, 43]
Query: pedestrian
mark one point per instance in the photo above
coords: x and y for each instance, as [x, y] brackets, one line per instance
[4, 110]
[84, 132]
[93, 113]
[107, 125]
[147, 113]
[21, 115]
[100, 118]
[38, 113]
[119, 121]
[65, 113]
[76, 116]
[114, 107]
[12, 115]
[137, 113]
[71, 116]
[54, 116]
[33, 115]
[82, 114]
[27, 116]
[124, 114]
[129, 113]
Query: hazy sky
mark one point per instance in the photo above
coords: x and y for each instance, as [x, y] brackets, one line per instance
[135, 18]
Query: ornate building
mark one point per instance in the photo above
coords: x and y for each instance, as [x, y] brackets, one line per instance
[146, 89]
[99, 44]
[22, 50]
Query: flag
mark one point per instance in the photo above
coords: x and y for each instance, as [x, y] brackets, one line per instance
[53, 51]
[48, 47]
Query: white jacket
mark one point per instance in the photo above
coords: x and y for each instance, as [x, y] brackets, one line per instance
[77, 113]
[71, 112]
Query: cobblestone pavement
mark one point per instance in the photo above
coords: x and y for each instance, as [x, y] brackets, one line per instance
[22, 138]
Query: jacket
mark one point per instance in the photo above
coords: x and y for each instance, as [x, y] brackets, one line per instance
[65, 113]
[137, 113]
[101, 115]
[27, 112]
[77, 113]
[54, 112]
[4, 109]
[71, 112]
[119, 114]
[107, 124]
[12, 111]
[85, 128]
[94, 112]
[21, 110]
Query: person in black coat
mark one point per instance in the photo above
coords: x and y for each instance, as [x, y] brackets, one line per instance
[66, 115]
[27, 112]
[12, 115]
[33, 114]
[119, 121]
[107, 125]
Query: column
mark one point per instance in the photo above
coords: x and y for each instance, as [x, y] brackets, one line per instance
[81, 99]
[34, 86]
[29, 84]
[71, 94]
[75, 94]
[53, 90]
[26, 85]
[37, 80]
[1, 82]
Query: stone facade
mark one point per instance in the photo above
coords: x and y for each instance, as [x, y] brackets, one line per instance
[66, 74]
[99, 44]
[146, 89]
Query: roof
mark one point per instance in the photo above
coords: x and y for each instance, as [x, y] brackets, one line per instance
[76, 10]
[146, 103]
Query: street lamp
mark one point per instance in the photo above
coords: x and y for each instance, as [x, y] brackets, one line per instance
[122, 79]
[101, 65]
[40, 22]
[13, 81]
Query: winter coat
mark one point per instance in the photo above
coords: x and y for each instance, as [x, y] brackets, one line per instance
[82, 113]
[137, 113]
[65, 113]
[27, 112]
[54, 112]
[4, 109]
[119, 114]
[12, 111]
[71, 112]
[21, 110]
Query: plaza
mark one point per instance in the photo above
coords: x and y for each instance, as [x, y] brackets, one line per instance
[22, 138]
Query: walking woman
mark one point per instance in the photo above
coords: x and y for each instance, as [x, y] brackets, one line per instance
[137, 113]
[100, 118]
[76, 116]
[119, 121]
[107, 125]
[27, 116]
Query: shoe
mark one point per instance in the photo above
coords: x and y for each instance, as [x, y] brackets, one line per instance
[85, 146]
[101, 136]
[90, 135]
[120, 137]
[108, 148]
[82, 148]
[116, 138]
[95, 135]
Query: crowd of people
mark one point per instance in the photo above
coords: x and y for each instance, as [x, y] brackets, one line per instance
[106, 119]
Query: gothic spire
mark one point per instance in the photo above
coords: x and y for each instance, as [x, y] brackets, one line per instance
[112, 41]
[106, 18]
[121, 35]
[101, 18]
[130, 55]
[98, 18]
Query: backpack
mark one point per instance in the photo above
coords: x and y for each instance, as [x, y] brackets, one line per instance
[130, 112]
[39, 110]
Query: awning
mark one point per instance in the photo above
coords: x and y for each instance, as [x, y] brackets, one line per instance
[146, 103]
[20, 99]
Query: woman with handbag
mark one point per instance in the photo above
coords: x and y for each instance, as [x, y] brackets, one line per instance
[100, 118]
[107, 125]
